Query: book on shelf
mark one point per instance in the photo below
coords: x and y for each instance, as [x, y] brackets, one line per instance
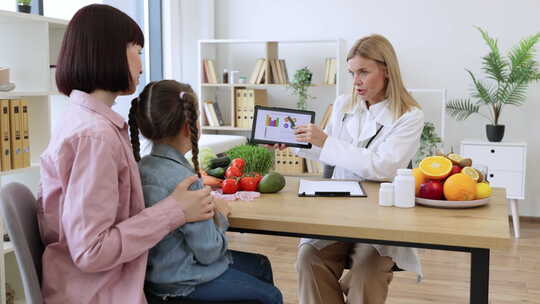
[285, 75]
[330, 71]
[256, 71]
[219, 115]
[16, 134]
[5, 143]
[211, 115]
[209, 75]
[25, 134]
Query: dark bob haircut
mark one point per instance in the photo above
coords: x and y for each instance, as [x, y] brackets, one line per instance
[93, 54]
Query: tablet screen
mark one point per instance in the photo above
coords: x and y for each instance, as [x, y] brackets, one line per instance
[275, 125]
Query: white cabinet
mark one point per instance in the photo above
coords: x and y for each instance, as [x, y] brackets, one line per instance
[30, 45]
[506, 167]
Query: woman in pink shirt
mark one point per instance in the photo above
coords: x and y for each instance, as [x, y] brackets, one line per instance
[92, 217]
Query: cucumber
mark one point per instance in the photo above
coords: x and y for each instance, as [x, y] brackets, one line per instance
[218, 172]
[222, 162]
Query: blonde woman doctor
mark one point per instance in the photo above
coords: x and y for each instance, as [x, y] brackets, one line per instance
[370, 135]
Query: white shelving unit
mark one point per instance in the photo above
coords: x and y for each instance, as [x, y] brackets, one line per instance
[30, 45]
[242, 55]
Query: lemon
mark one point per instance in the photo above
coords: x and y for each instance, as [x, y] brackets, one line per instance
[483, 190]
[472, 173]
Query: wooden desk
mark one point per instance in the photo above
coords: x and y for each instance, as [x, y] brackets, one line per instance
[474, 230]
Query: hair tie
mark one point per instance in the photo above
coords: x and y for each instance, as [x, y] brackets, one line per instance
[182, 95]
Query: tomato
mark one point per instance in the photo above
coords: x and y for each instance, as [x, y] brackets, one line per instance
[233, 172]
[258, 177]
[238, 163]
[249, 183]
[229, 186]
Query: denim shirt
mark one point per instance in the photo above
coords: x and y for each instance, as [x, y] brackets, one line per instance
[192, 254]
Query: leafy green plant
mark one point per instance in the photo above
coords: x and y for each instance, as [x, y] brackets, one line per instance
[258, 159]
[429, 143]
[509, 79]
[300, 85]
[24, 2]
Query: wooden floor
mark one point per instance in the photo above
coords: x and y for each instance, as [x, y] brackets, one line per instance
[514, 273]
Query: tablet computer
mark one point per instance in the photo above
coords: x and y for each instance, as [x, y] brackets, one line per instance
[273, 125]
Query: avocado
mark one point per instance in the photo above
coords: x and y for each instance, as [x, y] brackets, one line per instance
[271, 183]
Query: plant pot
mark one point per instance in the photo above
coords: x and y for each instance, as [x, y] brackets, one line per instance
[23, 8]
[495, 133]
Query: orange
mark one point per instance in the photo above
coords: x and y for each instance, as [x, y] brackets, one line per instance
[419, 177]
[460, 187]
[436, 167]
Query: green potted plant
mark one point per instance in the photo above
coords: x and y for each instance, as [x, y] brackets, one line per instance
[300, 85]
[429, 143]
[24, 6]
[508, 77]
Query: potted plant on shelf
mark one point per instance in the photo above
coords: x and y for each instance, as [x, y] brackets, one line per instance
[509, 78]
[24, 6]
[300, 85]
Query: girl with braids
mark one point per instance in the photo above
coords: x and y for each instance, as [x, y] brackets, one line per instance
[92, 219]
[193, 261]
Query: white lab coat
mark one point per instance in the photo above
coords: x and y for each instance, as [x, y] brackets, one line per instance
[391, 149]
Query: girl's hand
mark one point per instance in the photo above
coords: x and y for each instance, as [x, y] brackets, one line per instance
[222, 206]
[310, 133]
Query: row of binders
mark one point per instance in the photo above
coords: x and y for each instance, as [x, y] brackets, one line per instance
[245, 101]
[209, 71]
[14, 133]
[330, 73]
[269, 71]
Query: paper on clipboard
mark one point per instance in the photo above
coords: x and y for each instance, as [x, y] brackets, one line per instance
[313, 187]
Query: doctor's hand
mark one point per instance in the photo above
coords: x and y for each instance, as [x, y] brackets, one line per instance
[310, 133]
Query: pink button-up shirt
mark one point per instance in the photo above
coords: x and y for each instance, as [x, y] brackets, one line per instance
[91, 211]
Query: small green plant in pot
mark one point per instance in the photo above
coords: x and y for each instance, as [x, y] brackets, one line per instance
[258, 159]
[300, 85]
[508, 77]
[24, 6]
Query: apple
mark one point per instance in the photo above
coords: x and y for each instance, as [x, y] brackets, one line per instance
[432, 189]
[455, 169]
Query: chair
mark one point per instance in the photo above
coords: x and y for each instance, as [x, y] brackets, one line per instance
[18, 209]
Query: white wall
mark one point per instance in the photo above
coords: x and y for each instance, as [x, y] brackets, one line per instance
[435, 42]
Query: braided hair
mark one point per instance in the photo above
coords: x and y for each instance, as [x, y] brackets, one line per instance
[160, 112]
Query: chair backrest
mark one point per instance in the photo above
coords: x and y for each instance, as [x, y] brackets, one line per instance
[18, 208]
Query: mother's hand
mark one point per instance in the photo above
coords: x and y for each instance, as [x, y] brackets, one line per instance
[310, 133]
[197, 205]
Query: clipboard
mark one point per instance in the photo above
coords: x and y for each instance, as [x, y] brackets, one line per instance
[331, 188]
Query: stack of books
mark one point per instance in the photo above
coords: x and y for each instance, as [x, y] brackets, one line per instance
[245, 101]
[14, 134]
[269, 71]
[213, 114]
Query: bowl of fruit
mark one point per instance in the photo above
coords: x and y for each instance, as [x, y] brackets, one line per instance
[450, 181]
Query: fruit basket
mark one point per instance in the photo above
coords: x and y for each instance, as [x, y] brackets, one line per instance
[450, 181]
